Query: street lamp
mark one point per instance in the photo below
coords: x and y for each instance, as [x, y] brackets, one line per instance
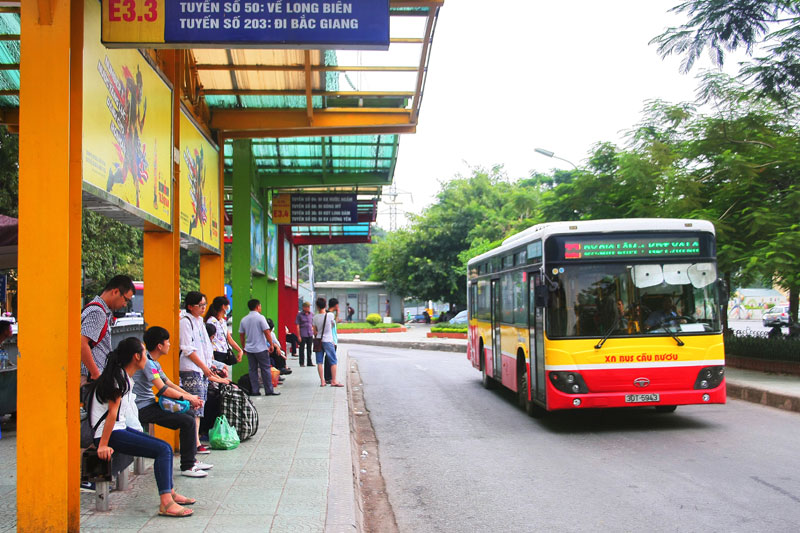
[548, 153]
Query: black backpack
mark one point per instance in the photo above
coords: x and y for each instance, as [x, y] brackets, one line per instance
[87, 429]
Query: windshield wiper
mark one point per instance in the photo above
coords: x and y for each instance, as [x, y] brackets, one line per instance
[665, 325]
[607, 335]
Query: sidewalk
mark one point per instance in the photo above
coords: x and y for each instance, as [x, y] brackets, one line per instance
[775, 390]
[295, 474]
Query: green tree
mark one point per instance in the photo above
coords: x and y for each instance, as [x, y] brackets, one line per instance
[768, 27]
[342, 262]
[108, 248]
[9, 173]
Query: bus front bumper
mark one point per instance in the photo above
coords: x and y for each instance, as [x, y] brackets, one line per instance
[640, 398]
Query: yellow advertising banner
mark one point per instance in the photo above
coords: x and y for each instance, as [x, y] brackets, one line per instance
[134, 21]
[282, 209]
[199, 187]
[127, 128]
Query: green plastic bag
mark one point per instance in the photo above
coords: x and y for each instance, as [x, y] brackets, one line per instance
[223, 436]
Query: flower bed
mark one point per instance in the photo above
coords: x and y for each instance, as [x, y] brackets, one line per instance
[446, 335]
[369, 328]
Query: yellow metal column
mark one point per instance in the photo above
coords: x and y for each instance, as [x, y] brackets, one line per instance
[48, 456]
[162, 255]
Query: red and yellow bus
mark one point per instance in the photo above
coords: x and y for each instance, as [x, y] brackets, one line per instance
[600, 313]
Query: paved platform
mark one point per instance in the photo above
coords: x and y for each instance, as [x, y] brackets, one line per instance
[295, 474]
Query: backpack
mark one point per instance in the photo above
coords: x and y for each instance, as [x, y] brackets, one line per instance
[239, 410]
[104, 331]
[87, 430]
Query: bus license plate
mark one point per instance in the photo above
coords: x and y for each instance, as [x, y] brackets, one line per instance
[641, 398]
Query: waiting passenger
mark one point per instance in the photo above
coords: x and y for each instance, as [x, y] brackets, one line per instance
[156, 340]
[111, 397]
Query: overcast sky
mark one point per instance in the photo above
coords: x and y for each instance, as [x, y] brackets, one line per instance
[507, 76]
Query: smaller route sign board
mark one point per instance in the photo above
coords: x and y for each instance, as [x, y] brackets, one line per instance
[314, 209]
[295, 24]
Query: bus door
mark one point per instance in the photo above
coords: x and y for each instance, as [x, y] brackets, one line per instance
[536, 335]
[497, 355]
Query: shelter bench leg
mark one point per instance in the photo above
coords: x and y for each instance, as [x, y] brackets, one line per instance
[101, 495]
[139, 466]
[124, 479]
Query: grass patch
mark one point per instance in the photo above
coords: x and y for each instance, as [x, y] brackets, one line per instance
[366, 325]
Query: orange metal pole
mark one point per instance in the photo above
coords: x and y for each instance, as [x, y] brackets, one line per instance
[48, 459]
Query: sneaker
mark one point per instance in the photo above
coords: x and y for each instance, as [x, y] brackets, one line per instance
[194, 472]
[202, 466]
[88, 486]
[203, 449]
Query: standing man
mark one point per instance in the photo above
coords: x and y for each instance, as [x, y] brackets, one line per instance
[350, 312]
[388, 308]
[303, 322]
[96, 321]
[254, 335]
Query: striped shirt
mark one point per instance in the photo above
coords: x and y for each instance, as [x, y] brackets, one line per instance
[93, 319]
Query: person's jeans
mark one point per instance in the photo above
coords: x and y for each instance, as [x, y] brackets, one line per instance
[153, 414]
[138, 444]
[260, 361]
[305, 348]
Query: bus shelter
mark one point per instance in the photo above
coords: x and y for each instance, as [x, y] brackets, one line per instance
[194, 143]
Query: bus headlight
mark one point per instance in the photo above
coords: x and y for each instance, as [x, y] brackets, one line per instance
[709, 377]
[568, 382]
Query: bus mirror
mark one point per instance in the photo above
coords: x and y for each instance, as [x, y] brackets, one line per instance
[540, 295]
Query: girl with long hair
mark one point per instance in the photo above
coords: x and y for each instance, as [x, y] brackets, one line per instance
[111, 399]
[221, 341]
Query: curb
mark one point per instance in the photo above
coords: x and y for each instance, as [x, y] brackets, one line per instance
[763, 397]
[439, 347]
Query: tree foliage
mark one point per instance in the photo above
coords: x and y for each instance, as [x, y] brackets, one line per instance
[736, 166]
[343, 262]
[9, 173]
[767, 27]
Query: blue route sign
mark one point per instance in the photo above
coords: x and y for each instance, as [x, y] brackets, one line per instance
[304, 24]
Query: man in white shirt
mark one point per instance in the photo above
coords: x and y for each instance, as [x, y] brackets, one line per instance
[255, 337]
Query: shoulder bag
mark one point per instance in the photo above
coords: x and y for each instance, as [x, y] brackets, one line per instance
[316, 345]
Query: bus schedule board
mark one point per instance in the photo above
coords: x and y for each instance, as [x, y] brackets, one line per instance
[314, 209]
[297, 24]
[613, 247]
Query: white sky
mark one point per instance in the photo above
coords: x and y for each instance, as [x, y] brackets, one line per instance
[507, 76]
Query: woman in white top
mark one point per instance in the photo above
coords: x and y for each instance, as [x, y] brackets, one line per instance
[111, 399]
[221, 341]
[197, 356]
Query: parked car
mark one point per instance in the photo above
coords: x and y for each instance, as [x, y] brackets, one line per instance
[460, 319]
[777, 316]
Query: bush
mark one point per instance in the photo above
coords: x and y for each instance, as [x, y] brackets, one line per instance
[365, 325]
[449, 329]
[778, 349]
[374, 319]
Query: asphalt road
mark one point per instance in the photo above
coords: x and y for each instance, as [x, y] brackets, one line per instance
[457, 457]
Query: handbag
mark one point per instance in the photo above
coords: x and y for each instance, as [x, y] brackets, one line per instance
[316, 345]
[171, 405]
[226, 358]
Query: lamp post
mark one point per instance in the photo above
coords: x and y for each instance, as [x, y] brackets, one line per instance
[548, 153]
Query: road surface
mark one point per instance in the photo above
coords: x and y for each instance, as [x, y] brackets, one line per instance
[458, 458]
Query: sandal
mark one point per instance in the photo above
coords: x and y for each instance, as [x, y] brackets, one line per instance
[184, 500]
[337, 385]
[184, 512]
[322, 384]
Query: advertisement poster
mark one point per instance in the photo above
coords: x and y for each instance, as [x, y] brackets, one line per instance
[294, 267]
[257, 251]
[199, 186]
[272, 251]
[287, 262]
[127, 129]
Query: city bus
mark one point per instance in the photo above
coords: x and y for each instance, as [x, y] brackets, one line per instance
[600, 313]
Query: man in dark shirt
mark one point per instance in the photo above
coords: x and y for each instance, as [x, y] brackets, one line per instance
[303, 322]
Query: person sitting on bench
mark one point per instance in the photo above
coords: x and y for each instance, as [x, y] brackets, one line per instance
[112, 394]
[156, 340]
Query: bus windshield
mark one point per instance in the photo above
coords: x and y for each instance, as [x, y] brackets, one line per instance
[629, 299]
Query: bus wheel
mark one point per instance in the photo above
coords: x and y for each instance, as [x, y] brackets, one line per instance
[531, 408]
[666, 408]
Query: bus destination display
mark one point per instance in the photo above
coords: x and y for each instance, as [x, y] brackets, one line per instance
[634, 247]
